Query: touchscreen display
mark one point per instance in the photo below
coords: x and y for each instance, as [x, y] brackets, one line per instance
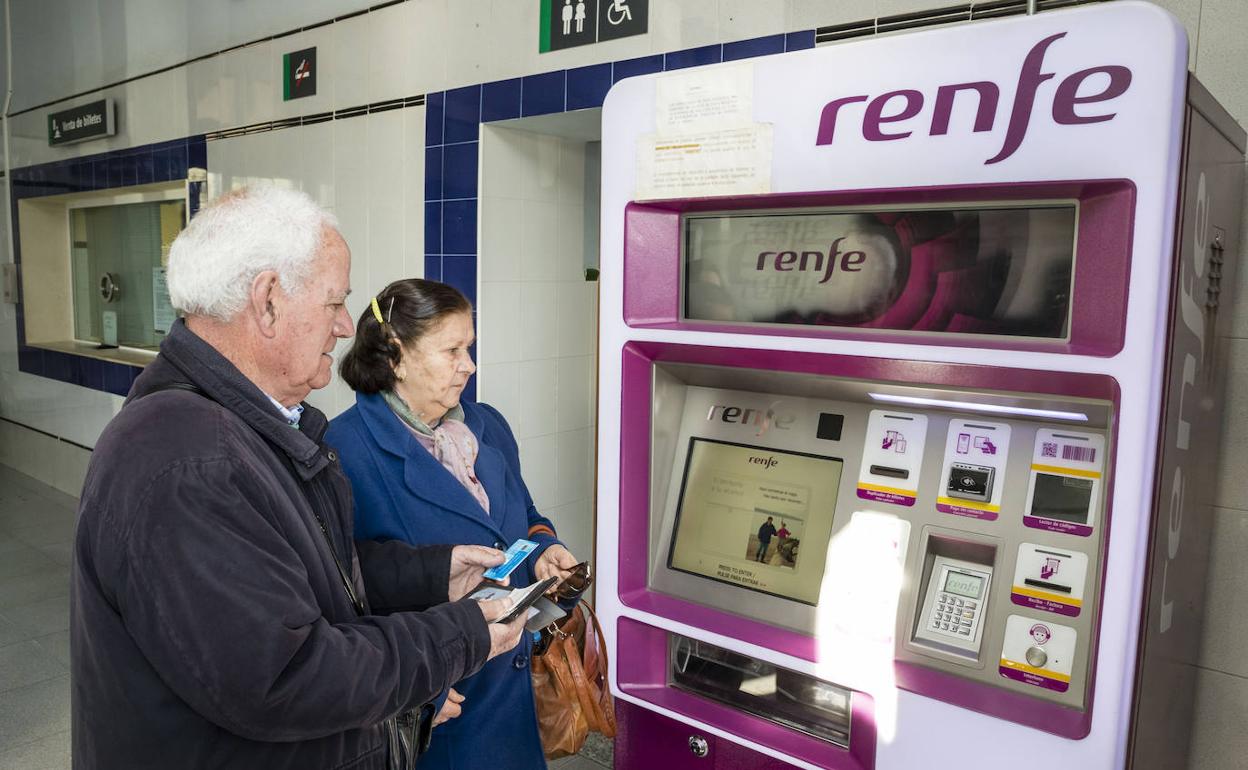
[756, 518]
[982, 270]
[1063, 498]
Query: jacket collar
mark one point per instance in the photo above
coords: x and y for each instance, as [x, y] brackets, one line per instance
[185, 357]
[425, 476]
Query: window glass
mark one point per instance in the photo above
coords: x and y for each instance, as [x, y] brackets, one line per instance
[119, 254]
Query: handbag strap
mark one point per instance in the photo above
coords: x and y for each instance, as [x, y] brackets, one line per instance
[606, 711]
[587, 701]
[594, 695]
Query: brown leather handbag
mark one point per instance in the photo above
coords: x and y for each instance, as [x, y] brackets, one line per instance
[570, 684]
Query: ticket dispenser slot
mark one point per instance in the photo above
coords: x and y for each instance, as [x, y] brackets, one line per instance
[789, 698]
[954, 596]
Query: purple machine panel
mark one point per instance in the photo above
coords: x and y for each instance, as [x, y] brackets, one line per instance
[694, 288]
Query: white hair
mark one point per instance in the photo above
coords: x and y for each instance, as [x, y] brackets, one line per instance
[213, 262]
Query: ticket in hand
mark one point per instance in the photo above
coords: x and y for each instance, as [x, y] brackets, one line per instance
[515, 555]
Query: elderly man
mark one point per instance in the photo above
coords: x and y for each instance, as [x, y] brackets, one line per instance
[222, 615]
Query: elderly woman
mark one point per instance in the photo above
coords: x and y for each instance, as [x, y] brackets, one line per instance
[426, 469]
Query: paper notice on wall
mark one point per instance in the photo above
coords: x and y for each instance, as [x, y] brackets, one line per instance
[162, 309]
[705, 100]
[734, 161]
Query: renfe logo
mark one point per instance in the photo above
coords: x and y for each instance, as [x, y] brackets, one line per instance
[1065, 100]
[763, 419]
[783, 260]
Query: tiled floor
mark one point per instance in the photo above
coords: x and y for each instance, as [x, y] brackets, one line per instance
[36, 528]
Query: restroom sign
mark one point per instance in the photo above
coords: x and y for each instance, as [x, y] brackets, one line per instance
[569, 23]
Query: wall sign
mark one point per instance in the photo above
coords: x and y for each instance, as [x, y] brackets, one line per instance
[569, 23]
[88, 121]
[299, 74]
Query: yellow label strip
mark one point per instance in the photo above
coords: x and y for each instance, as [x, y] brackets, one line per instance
[1066, 471]
[973, 504]
[1059, 598]
[1044, 672]
[890, 490]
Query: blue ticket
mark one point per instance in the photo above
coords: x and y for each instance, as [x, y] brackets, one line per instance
[516, 554]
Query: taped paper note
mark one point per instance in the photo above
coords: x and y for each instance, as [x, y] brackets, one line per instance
[709, 100]
[729, 162]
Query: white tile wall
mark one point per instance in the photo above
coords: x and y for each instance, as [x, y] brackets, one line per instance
[744, 19]
[322, 39]
[538, 317]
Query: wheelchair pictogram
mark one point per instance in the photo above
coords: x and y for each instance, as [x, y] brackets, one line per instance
[619, 12]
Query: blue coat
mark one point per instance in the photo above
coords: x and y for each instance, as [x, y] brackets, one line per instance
[401, 492]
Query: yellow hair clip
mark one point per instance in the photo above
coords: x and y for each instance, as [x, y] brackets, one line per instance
[377, 312]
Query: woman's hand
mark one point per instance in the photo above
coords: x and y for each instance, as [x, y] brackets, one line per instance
[556, 561]
[451, 707]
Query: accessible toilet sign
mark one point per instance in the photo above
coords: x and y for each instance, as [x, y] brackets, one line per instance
[570, 23]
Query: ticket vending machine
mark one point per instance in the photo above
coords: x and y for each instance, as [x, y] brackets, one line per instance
[909, 394]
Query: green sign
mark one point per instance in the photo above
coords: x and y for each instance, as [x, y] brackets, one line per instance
[299, 78]
[569, 23]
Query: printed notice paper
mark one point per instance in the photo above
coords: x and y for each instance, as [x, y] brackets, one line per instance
[704, 100]
[731, 162]
[706, 142]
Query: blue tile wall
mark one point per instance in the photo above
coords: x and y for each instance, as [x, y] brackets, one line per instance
[543, 94]
[146, 164]
[433, 173]
[588, 86]
[500, 100]
[460, 171]
[759, 46]
[799, 41]
[461, 272]
[435, 109]
[693, 57]
[463, 115]
[433, 227]
[459, 228]
[629, 68]
[433, 267]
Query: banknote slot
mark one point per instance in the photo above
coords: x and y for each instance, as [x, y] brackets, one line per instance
[894, 473]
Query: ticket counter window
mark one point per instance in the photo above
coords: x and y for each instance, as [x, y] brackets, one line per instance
[119, 255]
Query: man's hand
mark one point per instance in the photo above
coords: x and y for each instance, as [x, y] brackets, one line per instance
[468, 563]
[503, 637]
[556, 561]
[451, 707]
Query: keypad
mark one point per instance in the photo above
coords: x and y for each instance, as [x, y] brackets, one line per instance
[954, 615]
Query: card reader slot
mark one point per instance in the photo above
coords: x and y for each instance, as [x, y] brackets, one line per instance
[1046, 585]
[895, 473]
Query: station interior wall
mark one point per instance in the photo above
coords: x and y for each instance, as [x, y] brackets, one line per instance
[397, 190]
